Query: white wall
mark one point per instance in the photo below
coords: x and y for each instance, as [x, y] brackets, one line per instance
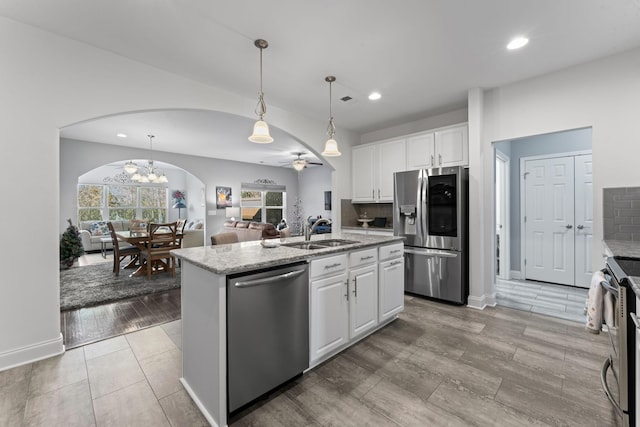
[49, 82]
[602, 95]
[314, 181]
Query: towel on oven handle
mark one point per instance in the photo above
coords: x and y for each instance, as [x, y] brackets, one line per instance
[600, 303]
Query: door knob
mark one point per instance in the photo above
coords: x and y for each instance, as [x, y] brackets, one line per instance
[568, 226]
[580, 227]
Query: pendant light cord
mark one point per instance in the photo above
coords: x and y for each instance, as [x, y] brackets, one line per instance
[261, 108]
[331, 129]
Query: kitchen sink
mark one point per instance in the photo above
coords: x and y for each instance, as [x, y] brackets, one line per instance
[304, 245]
[319, 244]
[334, 242]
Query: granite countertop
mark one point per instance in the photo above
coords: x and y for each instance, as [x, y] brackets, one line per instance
[629, 249]
[247, 256]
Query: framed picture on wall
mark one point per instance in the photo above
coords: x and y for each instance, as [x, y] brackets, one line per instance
[223, 197]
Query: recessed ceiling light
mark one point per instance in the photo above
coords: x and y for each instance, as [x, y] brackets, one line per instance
[374, 95]
[517, 43]
[121, 135]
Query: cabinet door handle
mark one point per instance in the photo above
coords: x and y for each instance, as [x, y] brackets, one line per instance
[373, 193]
[346, 283]
[440, 158]
[432, 160]
[355, 287]
[396, 263]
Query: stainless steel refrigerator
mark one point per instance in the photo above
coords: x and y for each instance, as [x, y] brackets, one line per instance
[431, 211]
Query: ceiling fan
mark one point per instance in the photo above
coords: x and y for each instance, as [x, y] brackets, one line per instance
[299, 163]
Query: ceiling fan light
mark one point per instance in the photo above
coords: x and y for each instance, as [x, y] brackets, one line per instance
[331, 148]
[261, 133]
[299, 164]
[130, 167]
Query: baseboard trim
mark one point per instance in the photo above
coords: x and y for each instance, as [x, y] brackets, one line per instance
[198, 403]
[31, 353]
[482, 302]
[515, 274]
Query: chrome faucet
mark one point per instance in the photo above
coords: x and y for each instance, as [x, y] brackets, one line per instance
[309, 230]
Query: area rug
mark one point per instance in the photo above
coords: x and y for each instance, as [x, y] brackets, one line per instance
[97, 284]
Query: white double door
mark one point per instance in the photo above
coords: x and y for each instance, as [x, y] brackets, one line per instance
[558, 219]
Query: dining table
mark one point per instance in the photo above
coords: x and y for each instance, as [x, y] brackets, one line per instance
[139, 239]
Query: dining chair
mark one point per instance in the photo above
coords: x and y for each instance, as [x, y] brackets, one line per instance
[157, 256]
[121, 252]
[138, 225]
[223, 238]
[180, 224]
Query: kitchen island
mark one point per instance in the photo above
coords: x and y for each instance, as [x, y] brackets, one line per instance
[354, 288]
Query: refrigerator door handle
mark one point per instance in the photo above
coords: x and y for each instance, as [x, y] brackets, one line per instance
[431, 252]
[419, 209]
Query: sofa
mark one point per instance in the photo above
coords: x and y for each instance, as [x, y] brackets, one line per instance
[92, 231]
[249, 230]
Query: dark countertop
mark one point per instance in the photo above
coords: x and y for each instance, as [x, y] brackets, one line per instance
[247, 256]
[629, 249]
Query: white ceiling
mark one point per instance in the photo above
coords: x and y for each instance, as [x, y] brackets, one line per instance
[421, 55]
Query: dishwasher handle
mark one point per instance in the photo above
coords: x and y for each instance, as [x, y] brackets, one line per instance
[268, 280]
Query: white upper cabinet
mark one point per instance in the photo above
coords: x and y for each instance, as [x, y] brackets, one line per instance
[421, 152]
[442, 148]
[452, 147]
[373, 168]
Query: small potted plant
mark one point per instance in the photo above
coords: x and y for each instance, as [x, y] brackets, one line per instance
[70, 246]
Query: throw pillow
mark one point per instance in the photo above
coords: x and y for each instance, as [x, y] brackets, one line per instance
[100, 228]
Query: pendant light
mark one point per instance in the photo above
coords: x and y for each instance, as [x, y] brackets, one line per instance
[299, 163]
[261, 128]
[331, 146]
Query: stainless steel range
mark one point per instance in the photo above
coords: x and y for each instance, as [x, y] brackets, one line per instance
[623, 336]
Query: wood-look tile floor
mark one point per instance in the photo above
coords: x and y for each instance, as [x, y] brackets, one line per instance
[436, 365]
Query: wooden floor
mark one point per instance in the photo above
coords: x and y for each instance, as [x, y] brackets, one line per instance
[91, 324]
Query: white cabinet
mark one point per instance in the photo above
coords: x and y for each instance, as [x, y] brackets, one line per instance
[329, 306]
[329, 315]
[363, 173]
[373, 166]
[363, 300]
[391, 281]
[441, 148]
[363, 291]
[421, 151]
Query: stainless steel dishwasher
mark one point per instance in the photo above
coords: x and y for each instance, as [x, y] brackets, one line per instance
[267, 331]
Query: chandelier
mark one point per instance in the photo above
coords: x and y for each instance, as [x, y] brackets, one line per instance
[331, 146]
[261, 128]
[148, 173]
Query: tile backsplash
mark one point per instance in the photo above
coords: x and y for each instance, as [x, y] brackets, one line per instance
[621, 213]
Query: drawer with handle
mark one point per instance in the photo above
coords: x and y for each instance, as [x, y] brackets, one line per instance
[363, 257]
[391, 251]
[328, 266]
